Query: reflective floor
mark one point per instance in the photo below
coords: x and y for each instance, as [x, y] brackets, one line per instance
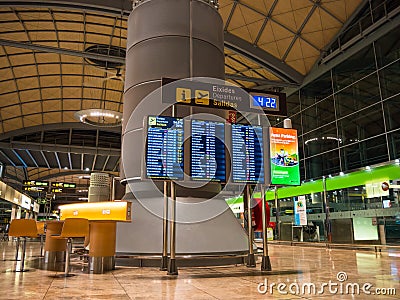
[297, 273]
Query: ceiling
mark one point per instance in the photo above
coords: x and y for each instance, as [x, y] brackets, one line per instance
[51, 67]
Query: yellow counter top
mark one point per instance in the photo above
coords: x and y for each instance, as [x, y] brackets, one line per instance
[119, 211]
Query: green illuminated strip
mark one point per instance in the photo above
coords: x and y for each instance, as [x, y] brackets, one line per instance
[362, 177]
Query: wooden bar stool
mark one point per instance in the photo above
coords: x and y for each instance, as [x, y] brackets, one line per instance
[72, 228]
[22, 228]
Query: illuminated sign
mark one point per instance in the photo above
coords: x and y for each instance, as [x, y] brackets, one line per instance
[265, 101]
[208, 151]
[284, 156]
[109, 210]
[33, 188]
[247, 154]
[222, 96]
[164, 148]
[36, 183]
[300, 211]
[26, 202]
[64, 185]
[57, 190]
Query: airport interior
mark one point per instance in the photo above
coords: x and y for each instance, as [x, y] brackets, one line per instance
[200, 149]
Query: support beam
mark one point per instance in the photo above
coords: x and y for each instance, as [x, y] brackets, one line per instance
[106, 162]
[56, 126]
[19, 157]
[49, 49]
[370, 35]
[264, 59]
[32, 158]
[59, 148]
[70, 161]
[58, 160]
[104, 6]
[261, 81]
[7, 158]
[45, 159]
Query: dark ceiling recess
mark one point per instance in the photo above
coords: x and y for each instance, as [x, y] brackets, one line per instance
[110, 50]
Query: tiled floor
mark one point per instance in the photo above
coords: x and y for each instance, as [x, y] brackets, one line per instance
[293, 267]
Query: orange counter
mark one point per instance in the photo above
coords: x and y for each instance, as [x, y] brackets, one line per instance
[102, 231]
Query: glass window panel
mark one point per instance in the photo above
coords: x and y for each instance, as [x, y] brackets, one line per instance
[361, 125]
[388, 48]
[394, 144]
[392, 113]
[390, 80]
[357, 96]
[324, 164]
[316, 90]
[318, 115]
[354, 68]
[296, 123]
[321, 140]
[293, 104]
[364, 153]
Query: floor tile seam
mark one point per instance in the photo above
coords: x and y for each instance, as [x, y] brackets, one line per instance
[200, 289]
[120, 284]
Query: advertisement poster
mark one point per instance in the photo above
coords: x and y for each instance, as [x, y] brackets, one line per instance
[300, 211]
[284, 155]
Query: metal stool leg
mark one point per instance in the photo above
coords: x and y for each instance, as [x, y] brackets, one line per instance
[22, 268]
[68, 255]
[41, 245]
[23, 255]
[17, 250]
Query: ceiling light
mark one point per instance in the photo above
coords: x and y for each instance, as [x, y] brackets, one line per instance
[99, 117]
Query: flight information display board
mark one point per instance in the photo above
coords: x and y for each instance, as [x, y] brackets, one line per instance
[164, 148]
[208, 151]
[247, 154]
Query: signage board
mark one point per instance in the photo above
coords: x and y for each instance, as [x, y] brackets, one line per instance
[26, 202]
[36, 207]
[164, 148]
[207, 159]
[36, 183]
[300, 211]
[284, 156]
[219, 96]
[247, 154]
[63, 185]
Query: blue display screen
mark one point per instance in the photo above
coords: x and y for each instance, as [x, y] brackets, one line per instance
[247, 154]
[208, 151]
[265, 101]
[164, 148]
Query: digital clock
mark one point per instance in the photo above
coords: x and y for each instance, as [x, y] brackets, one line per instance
[265, 101]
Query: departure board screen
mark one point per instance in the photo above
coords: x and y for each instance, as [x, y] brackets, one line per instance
[164, 148]
[208, 151]
[247, 154]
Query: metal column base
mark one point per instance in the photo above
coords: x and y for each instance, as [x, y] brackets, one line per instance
[164, 263]
[101, 264]
[266, 264]
[251, 261]
[54, 256]
[172, 268]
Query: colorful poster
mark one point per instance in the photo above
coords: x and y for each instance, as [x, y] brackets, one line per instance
[284, 155]
[300, 211]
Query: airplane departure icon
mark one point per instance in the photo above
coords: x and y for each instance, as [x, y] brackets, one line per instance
[202, 97]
